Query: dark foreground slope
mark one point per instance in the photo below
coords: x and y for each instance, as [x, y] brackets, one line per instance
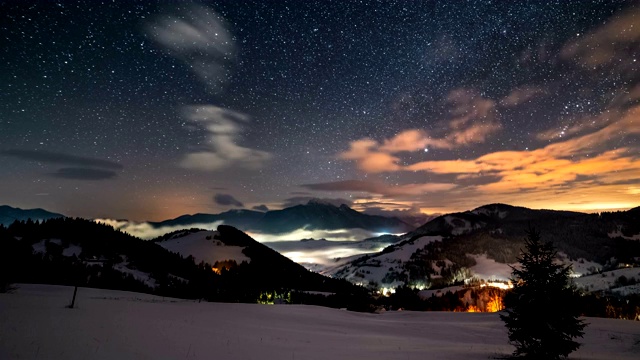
[76, 251]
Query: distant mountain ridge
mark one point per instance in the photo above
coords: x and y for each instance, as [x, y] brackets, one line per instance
[10, 214]
[315, 215]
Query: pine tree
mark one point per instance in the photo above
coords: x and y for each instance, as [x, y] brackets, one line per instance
[541, 312]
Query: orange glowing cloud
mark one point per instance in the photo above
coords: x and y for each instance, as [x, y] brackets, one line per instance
[473, 120]
[562, 174]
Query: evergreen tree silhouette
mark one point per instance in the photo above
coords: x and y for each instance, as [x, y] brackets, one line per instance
[541, 312]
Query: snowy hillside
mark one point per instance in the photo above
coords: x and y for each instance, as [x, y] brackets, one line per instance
[68, 250]
[485, 242]
[204, 246]
[34, 323]
[382, 268]
[621, 281]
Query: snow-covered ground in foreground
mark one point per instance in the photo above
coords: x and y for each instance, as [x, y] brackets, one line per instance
[34, 323]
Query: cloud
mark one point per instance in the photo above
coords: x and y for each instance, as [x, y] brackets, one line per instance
[262, 208]
[298, 234]
[303, 200]
[594, 152]
[614, 44]
[82, 168]
[522, 95]
[227, 200]
[61, 158]
[146, 231]
[84, 174]
[472, 119]
[323, 254]
[199, 37]
[380, 188]
[557, 164]
[221, 150]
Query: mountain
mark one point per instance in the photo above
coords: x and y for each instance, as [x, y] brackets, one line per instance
[321, 215]
[482, 242]
[229, 249]
[225, 265]
[315, 215]
[242, 219]
[10, 214]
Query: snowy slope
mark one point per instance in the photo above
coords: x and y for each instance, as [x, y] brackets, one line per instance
[375, 268]
[71, 249]
[607, 280]
[203, 246]
[34, 323]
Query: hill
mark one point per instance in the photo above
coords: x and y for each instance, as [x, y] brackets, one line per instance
[75, 251]
[483, 242]
[10, 214]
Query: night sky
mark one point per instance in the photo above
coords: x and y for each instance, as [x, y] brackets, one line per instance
[149, 110]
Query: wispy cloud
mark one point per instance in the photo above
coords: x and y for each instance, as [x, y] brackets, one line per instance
[472, 119]
[380, 188]
[199, 37]
[227, 200]
[51, 157]
[84, 174]
[81, 167]
[523, 94]
[614, 45]
[221, 150]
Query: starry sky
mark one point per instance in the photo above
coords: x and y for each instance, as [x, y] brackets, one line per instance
[146, 110]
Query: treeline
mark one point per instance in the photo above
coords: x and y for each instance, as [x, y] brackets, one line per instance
[104, 252]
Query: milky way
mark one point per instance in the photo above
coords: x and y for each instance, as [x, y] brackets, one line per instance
[148, 110]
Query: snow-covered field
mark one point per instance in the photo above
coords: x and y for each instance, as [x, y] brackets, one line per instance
[34, 324]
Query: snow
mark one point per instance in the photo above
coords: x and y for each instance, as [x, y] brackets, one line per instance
[489, 269]
[41, 248]
[425, 294]
[580, 267]
[490, 212]
[72, 250]
[618, 233]
[457, 229]
[607, 279]
[203, 249]
[461, 226]
[144, 277]
[34, 323]
[376, 267]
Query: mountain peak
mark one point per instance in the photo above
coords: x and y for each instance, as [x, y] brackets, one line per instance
[323, 202]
